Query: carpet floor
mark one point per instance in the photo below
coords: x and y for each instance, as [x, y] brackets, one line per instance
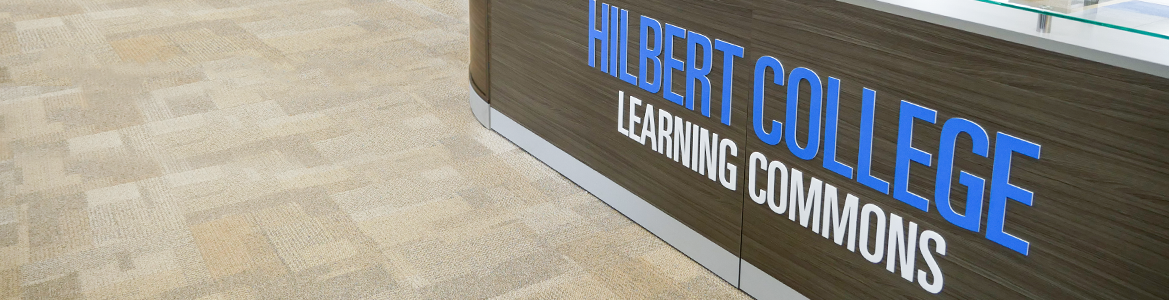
[272, 149]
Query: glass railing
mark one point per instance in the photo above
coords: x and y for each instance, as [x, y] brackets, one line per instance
[1146, 17]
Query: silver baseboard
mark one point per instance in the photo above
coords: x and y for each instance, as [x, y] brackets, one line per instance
[479, 107]
[758, 284]
[721, 262]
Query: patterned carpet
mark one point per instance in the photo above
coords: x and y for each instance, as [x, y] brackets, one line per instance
[271, 149]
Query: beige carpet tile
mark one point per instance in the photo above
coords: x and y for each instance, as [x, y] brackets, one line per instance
[302, 149]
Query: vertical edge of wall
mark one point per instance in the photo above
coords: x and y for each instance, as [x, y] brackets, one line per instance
[713, 257]
[479, 77]
[479, 107]
[706, 253]
[480, 39]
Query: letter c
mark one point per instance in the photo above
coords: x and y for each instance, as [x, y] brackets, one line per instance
[776, 134]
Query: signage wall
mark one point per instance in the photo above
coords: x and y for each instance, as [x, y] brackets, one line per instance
[851, 153]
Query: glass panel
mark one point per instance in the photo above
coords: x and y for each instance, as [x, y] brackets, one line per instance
[1147, 17]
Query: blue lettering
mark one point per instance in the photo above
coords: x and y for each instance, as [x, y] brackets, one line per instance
[614, 34]
[650, 55]
[864, 162]
[906, 153]
[1001, 189]
[600, 36]
[830, 126]
[974, 184]
[625, 76]
[761, 66]
[698, 73]
[730, 51]
[814, 114]
[671, 64]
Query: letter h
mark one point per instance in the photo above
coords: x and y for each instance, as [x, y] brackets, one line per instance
[598, 35]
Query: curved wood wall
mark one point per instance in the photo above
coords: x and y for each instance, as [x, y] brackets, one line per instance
[1099, 224]
[480, 50]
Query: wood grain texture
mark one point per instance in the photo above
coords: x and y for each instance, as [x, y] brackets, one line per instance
[1098, 227]
[540, 69]
[480, 47]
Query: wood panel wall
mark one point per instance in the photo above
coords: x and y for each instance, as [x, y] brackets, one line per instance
[480, 47]
[540, 67]
[1098, 227]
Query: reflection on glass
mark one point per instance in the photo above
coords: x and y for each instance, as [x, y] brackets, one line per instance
[1148, 17]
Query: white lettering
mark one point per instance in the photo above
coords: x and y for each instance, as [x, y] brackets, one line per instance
[840, 219]
[633, 118]
[708, 154]
[682, 141]
[665, 125]
[936, 272]
[808, 207]
[901, 248]
[729, 171]
[878, 251]
[621, 113]
[648, 128]
[757, 162]
[771, 168]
